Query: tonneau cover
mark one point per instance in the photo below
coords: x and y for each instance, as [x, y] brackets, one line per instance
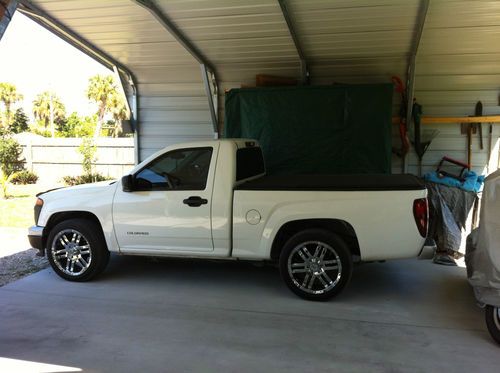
[364, 182]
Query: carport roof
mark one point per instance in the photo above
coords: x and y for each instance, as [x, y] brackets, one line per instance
[240, 31]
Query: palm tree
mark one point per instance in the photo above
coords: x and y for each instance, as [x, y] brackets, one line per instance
[9, 96]
[48, 108]
[119, 112]
[102, 90]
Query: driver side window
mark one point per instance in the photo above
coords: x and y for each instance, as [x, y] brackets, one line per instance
[184, 169]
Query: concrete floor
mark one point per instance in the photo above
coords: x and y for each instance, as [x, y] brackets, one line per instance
[199, 316]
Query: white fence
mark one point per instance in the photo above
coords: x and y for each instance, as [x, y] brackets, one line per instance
[53, 158]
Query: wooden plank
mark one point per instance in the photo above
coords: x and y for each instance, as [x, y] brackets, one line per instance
[431, 120]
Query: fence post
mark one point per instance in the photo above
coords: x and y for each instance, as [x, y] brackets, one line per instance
[29, 155]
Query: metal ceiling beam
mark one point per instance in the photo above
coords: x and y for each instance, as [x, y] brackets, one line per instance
[412, 60]
[41, 17]
[7, 9]
[289, 22]
[167, 23]
[208, 71]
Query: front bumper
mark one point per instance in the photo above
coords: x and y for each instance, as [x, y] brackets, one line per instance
[35, 237]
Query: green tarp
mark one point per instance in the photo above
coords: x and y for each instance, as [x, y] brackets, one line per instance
[338, 129]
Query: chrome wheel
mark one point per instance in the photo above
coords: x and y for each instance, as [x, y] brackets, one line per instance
[314, 267]
[71, 252]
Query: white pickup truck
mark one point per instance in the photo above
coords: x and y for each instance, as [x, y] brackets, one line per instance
[212, 199]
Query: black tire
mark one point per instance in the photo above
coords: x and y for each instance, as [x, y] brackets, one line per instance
[492, 317]
[69, 257]
[326, 280]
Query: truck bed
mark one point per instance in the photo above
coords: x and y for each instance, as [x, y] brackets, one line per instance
[364, 182]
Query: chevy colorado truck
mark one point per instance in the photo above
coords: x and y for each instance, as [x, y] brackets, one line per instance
[213, 200]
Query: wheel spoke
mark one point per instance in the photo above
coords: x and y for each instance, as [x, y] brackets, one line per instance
[300, 270]
[333, 261]
[330, 268]
[62, 251]
[323, 253]
[308, 254]
[73, 238]
[306, 279]
[298, 265]
[83, 263]
[62, 241]
[327, 278]
[72, 268]
[301, 254]
[67, 264]
[317, 251]
[78, 238]
[313, 277]
[325, 284]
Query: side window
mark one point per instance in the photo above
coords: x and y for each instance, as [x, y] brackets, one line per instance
[185, 169]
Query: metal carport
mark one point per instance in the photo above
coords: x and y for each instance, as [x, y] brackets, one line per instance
[161, 44]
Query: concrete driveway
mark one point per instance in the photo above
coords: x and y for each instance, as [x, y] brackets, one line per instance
[199, 316]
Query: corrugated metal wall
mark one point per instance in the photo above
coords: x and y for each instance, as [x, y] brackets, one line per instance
[459, 64]
[348, 41]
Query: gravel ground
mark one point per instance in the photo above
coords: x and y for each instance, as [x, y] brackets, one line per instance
[19, 265]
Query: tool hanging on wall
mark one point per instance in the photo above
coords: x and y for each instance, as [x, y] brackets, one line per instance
[420, 146]
[471, 129]
[403, 128]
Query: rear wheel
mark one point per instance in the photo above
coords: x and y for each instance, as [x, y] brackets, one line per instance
[316, 264]
[77, 250]
[492, 316]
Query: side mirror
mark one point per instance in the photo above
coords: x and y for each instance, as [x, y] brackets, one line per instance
[127, 183]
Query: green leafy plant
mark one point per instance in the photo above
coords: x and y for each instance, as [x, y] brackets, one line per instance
[10, 155]
[20, 122]
[88, 150]
[5, 180]
[24, 177]
[76, 126]
[84, 179]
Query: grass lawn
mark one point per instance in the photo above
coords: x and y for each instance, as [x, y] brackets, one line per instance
[17, 210]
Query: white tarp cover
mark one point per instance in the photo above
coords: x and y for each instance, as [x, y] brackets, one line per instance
[483, 246]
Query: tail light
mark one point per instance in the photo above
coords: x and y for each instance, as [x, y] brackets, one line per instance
[421, 214]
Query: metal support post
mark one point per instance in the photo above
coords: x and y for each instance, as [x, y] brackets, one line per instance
[304, 71]
[412, 60]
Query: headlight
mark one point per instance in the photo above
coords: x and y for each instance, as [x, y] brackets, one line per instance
[38, 208]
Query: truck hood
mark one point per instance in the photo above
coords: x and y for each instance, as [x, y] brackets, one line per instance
[64, 192]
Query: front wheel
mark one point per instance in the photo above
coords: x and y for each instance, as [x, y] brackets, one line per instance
[77, 250]
[492, 316]
[316, 264]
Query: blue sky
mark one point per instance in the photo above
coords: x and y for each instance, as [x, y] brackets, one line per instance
[35, 60]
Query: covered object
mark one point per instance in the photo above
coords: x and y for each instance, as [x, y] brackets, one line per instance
[483, 246]
[336, 129]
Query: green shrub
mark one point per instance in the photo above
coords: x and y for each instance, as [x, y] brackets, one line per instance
[84, 179]
[24, 177]
[10, 155]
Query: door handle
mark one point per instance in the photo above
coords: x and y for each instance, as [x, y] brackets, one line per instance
[195, 201]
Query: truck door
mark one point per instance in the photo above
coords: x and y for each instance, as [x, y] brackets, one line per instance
[168, 207]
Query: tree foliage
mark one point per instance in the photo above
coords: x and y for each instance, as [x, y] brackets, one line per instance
[76, 126]
[20, 122]
[104, 92]
[8, 96]
[48, 109]
[10, 155]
